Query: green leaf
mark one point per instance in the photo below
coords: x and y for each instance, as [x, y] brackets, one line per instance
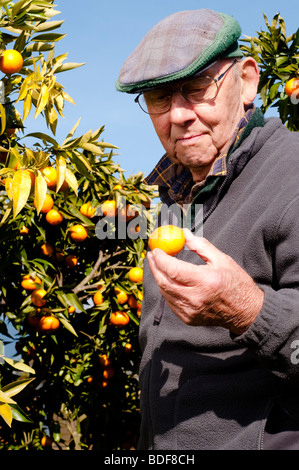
[49, 25]
[48, 37]
[92, 148]
[17, 7]
[21, 187]
[19, 365]
[71, 180]
[42, 100]
[40, 191]
[43, 137]
[16, 387]
[71, 133]
[66, 324]
[19, 414]
[5, 398]
[68, 66]
[3, 118]
[61, 171]
[6, 413]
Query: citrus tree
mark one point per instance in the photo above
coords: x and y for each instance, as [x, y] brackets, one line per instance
[278, 59]
[73, 234]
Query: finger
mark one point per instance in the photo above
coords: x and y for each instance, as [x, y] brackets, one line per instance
[205, 249]
[170, 272]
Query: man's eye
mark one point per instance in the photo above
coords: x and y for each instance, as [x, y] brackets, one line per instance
[161, 97]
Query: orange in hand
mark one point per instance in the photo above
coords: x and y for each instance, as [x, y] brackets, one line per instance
[168, 238]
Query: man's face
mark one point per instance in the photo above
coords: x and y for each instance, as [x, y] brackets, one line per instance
[195, 134]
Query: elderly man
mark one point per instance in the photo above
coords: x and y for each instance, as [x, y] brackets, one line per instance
[220, 321]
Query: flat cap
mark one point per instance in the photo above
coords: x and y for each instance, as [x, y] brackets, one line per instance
[178, 47]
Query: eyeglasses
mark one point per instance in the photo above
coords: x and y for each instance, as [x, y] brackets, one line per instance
[196, 90]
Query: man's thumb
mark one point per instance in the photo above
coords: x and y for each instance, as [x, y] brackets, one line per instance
[200, 245]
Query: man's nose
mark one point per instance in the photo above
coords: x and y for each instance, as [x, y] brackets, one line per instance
[181, 110]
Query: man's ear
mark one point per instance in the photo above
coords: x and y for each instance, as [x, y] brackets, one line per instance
[250, 76]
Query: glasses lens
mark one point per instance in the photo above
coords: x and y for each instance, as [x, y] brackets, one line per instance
[156, 101]
[200, 89]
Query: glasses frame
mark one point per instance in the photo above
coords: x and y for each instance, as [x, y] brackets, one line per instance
[216, 81]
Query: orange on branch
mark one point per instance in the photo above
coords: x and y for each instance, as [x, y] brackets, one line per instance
[78, 233]
[29, 282]
[168, 238]
[50, 175]
[109, 208]
[122, 296]
[11, 61]
[88, 210]
[47, 205]
[48, 323]
[71, 261]
[105, 361]
[54, 217]
[292, 86]
[47, 249]
[136, 274]
[37, 297]
[98, 298]
[24, 230]
[119, 318]
[46, 441]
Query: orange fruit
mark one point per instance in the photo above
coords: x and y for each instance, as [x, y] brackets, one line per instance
[292, 86]
[59, 255]
[33, 320]
[29, 282]
[78, 233]
[105, 361]
[37, 297]
[50, 175]
[103, 383]
[71, 261]
[128, 347]
[108, 373]
[168, 238]
[109, 208]
[88, 210]
[24, 230]
[136, 274]
[64, 186]
[132, 301]
[53, 217]
[47, 205]
[122, 296]
[119, 318]
[46, 441]
[48, 323]
[127, 213]
[11, 61]
[98, 298]
[47, 249]
[71, 309]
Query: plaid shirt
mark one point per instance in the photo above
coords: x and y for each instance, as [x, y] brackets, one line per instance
[178, 180]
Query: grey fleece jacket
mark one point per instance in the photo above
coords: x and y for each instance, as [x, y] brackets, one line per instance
[202, 387]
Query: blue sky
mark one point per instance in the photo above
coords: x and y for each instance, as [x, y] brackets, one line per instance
[102, 34]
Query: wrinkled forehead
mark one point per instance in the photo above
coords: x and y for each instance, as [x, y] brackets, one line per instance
[178, 47]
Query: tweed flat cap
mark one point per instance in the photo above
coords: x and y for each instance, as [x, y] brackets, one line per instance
[178, 47]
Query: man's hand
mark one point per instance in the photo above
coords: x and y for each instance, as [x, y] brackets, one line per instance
[218, 293]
